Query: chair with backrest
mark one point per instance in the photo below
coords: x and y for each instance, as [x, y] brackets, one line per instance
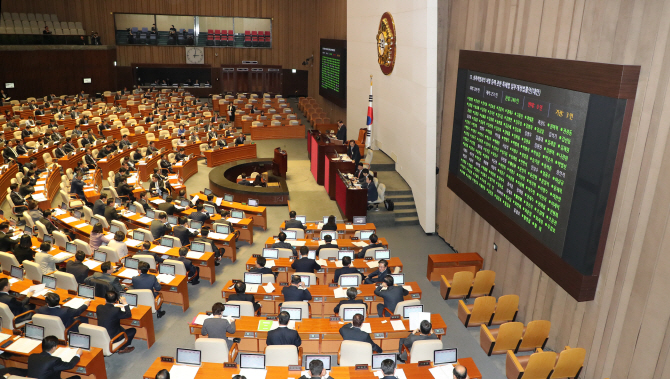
[265, 278]
[146, 258]
[535, 335]
[283, 355]
[83, 246]
[485, 281]
[306, 309]
[33, 271]
[176, 242]
[506, 309]
[146, 297]
[284, 253]
[100, 338]
[7, 260]
[481, 312]
[88, 213]
[361, 307]
[139, 207]
[328, 252]
[212, 348]
[300, 233]
[9, 321]
[53, 326]
[66, 281]
[71, 200]
[535, 366]
[371, 252]
[405, 303]
[422, 350]
[179, 268]
[147, 234]
[60, 239]
[352, 353]
[498, 341]
[460, 285]
[102, 220]
[569, 363]
[112, 255]
[122, 227]
[29, 220]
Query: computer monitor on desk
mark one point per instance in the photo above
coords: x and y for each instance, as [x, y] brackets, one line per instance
[207, 192]
[360, 220]
[189, 357]
[151, 214]
[222, 228]
[294, 313]
[291, 235]
[131, 298]
[377, 360]
[112, 228]
[167, 242]
[252, 361]
[302, 219]
[132, 263]
[325, 219]
[34, 332]
[237, 214]
[228, 198]
[209, 208]
[198, 246]
[365, 234]
[345, 253]
[325, 359]
[231, 310]
[331, 233]
[196, 224]
[347, 281]
[349, 313]
[409, 309]
[80, 341]
[166, 269]
[382, 254]
[86, 291]
[172, 220]
[398, 279]
[100, 256]
[253, 202]
[445, 356]
[270, 253]
[253, 278]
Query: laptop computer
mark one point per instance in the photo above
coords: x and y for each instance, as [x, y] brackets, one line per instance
[196, 224]
[236, 214]
[382, 254]
[94, 221]
[365, 234]
[331, 233]
[113, 228]
[189, 357]
[377, 360]
[231, 310]
[291, 235]
[70, 247]
[253, 278]
[86, 291]
[302, 219]
[209, 208]
[16, 272]
[132, 208]
[100, 256]
[325, 359]
[305, 279]
[360, 220]
[34, 332]
[80, 341]
[138, 235]
[48, 239]
[151, 213]
[222, 228]
[167, 242]
[252, 361]
[398, 279]
[270, 253]
[253, 202]
[294, 313]
[166, 269]
[207, 192]
[172, 220]
[311, 254]
[132, 263]
[349, 313]
[445, 356]
[228, 198]
[131, 298]
[345, 253]
[349, 281]
[409, 309]
[49, 281]
[198, 246]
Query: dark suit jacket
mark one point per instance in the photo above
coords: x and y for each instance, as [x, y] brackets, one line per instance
[354, 153]
[262, 270]
[350, 333]
[59, 153]
[17, 307]
[159, 229]
[199, 216]
[48, 224]
[78, 269]
[153, 187]
[146, 282]
[342, 133]
[44, 366]
[361, 253]
[346, 270]
[66, 314]
[7, 153]
[373, 194]
[190, 268]
[293, 293]
[378, 277]
[242, 297]
[305, 265]
[392, 296]
[157, 257]
[329, 227]
[293, 223]
[77, 188]
[181, 232]
[347, 301]
[283, 336]
[99, 207]
[325, 246]
[23, 254]
[6, 243]
[111, 214]
[168, 208]
[109, 317]
[90, 160]
[17, 199]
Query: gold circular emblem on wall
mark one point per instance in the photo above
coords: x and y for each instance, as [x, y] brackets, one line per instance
[386, 43]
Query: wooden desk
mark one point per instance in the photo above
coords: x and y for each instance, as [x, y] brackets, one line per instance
[323, 300]
[333, 164]
[318, 146]
[6, 178]
[146, 167]
[351, 201]
[258, 214]
[108, 164]
[230, 154]
[345, 231]
[320, 335]
[342, 243]
[51, 183]
[186, 169]
[448, 264]
[277, 132]
[280, 163]
[38, 155]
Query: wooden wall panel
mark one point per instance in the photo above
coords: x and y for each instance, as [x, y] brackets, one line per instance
[626, 329]
[297, 27]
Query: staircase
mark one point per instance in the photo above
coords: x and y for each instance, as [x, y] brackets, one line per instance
[397, 190]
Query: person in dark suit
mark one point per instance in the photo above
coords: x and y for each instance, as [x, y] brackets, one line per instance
[91, 163]
[46, 220]
[192, 271]
[283, 335]
[120, 177]
[77, 188]
[346, 269]
[316, 370]
[181, 232]
[110, 211]
[44, 365]
[424, 332]
[354, 152]
[17, 307]
[260, 267]
[379, 275]
[373, 194]
[240, 295]
[106, 276]
[58, 151]
[99, 205]
[341, 131]
[77, 267]
[146, 245]
[149, 119]
[331, 224]
[156, 186]
[296, 291]
[282, 244]
[110, 316]
[231, 113]
[160, 227]
[68, 147]
[66, 314]
[351, 295]
[26, 189]
[23, 250]
[125, 142]
[362, 178]
[6, 243]
[240, 140]
[391, 294]
[244, 181]
[373, 243]
[304, 264]
[143, 201]
[204, 232]
[353, 332]
[9, 152]
[146, 281]
[293, 223]
[17, 199]
[21, 148]
[328, 245]
[165, 165]
[199, 214]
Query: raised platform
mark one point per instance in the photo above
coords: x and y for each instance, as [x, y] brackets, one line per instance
[223, 180]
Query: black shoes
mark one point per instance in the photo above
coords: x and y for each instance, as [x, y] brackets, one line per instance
[160, 314]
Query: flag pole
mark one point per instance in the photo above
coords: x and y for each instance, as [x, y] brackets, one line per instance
[368, 134]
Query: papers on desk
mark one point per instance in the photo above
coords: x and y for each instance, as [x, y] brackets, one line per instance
[251, 373]
[108, 236]
[340, 293]
[372, 264]
[319, 226]
[217, 236]
[57, 212]
[4, 337]
[322, 242]
[194, 254]
[251, 288]
[416, 318]
[39, 197]
[40, 290]
[174, 177]
[294, 243]
[128, 214]
[233, 220]
[200, 319]
[160, 249]
[270, 263]
[179, 207]
[128, 273]
[164, 278]
[398, 325]
[91, 264]
[360, 243]
[184, 371]
[366, 327]
[133, 243]
[75, 303]
[196, 231]
[60, 257]
[442, 372]
[15, 237]
[399, 373]
[408, 288]
[65, 353]
[12, 280]
[41, 182]
[264, 325]
[70, 219]
[24, 345]
[145, 220]
[218, 201]
[39, 189]
[269, 287]
[338, 264]
[158, 201]
[349, 227]
[322, 262]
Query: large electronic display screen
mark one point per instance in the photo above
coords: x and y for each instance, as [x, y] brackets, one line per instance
[333, 71]
[539, 157]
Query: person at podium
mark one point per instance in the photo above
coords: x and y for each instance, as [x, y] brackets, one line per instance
[353, 152]
[341, 131]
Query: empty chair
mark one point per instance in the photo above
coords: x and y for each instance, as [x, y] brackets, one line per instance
[83, 246]
[60, 239]
[405, 303]
[483, 284]
[481, 312]
[179, 268]
[53, 326]
[300, 233]
[120, 225]
[422, 350]
[147, 234]
[33, 271]
[8, 260]
[459, 288]
[112, 255]
[284, 253]
[306, 310]
[282, 355]
[534, 366]
[212, 348]
[9, 321]
[102, 220]
[506, 309]
[65, 281]
[353, 353]
[100, 338]
[88, 213]
[498, 341]
[569, 364]
[535, 335]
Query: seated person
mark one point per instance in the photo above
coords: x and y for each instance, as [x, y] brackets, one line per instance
[106, 276]
[110, 316]
[239, 295]
[192, 271]
[146, 245]
[160, 227]
[282, 244]
[424, 332]
[316, 371]
[351, 295]
[46, 221]
[296, 291]
[293, 223]
[283, 335]
[304, 264]
[373, 244]
[17, 307]
[328, 245]
[23, 251]
[77, 267]
[217, 326]
[388, 369]
[353, 332]
[391, 294]
[346, 269]
[182, 232]
[118, 245]
[47, 261]
[146, 281]
[379, 275]
[204, 232]
[260, 267]
[44, 365]
[199, 214]
[331, 224]
[167, 206]
[66, 314]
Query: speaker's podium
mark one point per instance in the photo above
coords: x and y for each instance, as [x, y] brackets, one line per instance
[280, 163]
[318, 146]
